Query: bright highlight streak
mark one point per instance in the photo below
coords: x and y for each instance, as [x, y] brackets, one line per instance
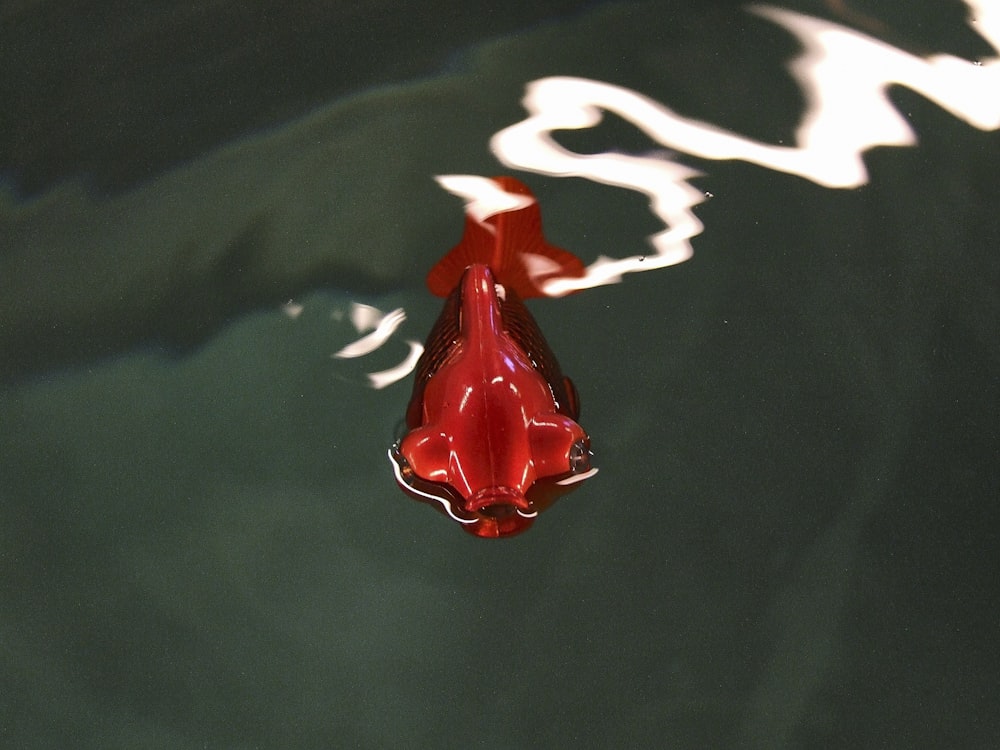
[365, 317]
[483, 197]
[845, 76]
[578, 477]
[384, 378]
[385, 326]
[984, 17]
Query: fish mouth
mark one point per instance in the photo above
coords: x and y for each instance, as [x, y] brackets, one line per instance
[499, 512]
[496, 502]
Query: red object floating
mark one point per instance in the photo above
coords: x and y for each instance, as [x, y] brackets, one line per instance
[492, 438]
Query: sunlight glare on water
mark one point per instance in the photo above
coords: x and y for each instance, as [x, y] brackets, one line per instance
[845, 76]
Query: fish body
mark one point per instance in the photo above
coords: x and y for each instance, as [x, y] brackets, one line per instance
[491, 432]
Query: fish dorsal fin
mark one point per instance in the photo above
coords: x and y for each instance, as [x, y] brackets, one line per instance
[510, 242]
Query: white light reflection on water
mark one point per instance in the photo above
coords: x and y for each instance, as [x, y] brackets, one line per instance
[366, 318]
[845, 76]
[381, 326]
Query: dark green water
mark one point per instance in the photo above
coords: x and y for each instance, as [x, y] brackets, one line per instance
[793, 538]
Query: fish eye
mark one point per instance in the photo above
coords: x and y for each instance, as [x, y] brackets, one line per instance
[579, 456]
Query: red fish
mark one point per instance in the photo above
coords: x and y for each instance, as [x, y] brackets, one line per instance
[492, 437]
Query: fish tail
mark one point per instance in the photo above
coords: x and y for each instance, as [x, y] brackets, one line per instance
[510, 242]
